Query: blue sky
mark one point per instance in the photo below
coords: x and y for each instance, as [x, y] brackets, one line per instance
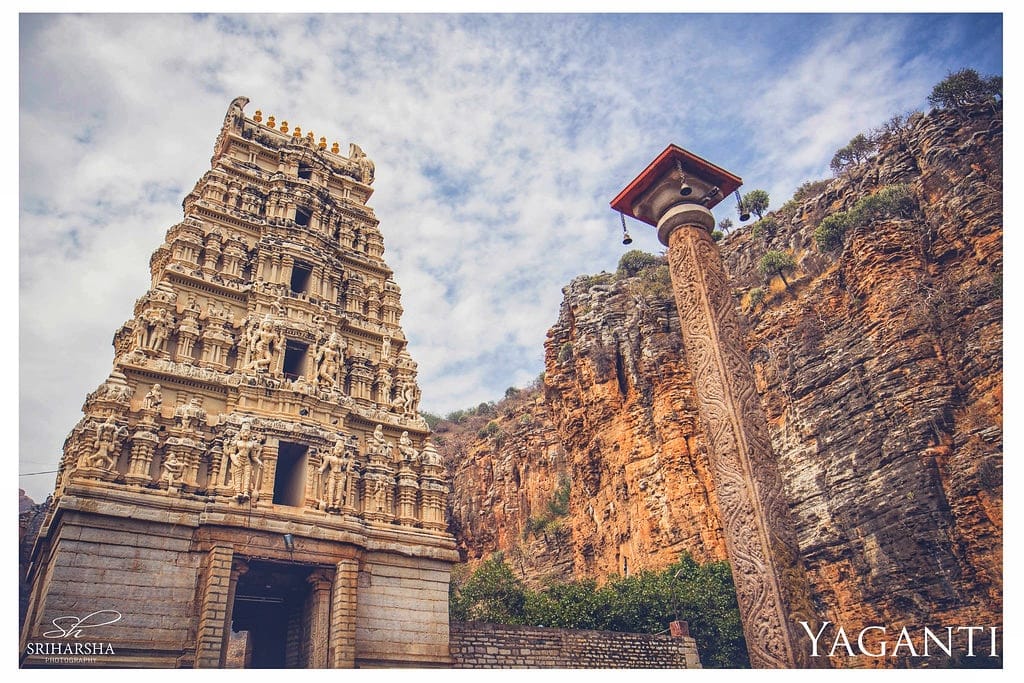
[498, 142]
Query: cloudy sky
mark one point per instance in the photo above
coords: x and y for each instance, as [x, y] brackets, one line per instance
[498, 143]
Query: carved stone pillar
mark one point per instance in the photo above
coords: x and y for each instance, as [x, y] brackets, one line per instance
[760, 539]
[342, 641]
[433, 490]
[319, 620]
[144, 443]
[407, 493]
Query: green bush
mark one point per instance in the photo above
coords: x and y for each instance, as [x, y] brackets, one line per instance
[830, 232]
[891, 201]
[634, 261]
[490, 429]
[717, 235]
[756, 296]
[809, 189]
[565, 353]
[765, 227]
[645, 602]
[856, 151]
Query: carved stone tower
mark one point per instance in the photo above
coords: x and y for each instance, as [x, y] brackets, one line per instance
[674, 193]
[254, 475]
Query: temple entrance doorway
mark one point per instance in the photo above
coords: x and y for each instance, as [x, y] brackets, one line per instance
[272, 617]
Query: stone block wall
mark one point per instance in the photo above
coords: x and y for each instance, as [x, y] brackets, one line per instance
[102, 563]
[476, 645]
[401, 611]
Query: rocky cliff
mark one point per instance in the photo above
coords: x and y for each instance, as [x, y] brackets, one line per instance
[879, 363]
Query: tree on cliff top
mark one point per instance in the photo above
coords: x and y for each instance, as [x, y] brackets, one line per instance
[634, 261]
[965, 87]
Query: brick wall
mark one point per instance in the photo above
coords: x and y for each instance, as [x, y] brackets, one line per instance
[476, 645]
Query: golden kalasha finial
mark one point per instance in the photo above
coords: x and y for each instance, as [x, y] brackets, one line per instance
[258, 116]
[323, 143]
[335, 148]
[297, 133]
[284, 126]
[270, 122]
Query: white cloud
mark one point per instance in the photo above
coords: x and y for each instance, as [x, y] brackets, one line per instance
[498, 142]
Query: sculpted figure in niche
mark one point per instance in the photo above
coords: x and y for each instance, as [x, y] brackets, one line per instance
[385, 348]
[108, 434]
[263, 341]
[380, 495]
[411, 397]
[329, 359]
[336, 466]
[406, 450]
[151, 329]
[172, 468]
[153, 399]
[244, 455]
[384, 387]
[189, 414]
[377, 444]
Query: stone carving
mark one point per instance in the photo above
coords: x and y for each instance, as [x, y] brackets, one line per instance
[106, 444]
[759, 534]
[366, 167]
[385, 348]
[234, 116]
[407, 451]
[153, 399]
[329, 359]
[243, 454]
[377, 445]
[264, 342]
[334, 472]
[151, 329]
[172, 469]
[190, 415]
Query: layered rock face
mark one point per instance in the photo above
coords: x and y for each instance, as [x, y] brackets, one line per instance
[880, 369]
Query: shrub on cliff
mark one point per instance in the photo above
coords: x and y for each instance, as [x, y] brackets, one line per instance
[891, 201]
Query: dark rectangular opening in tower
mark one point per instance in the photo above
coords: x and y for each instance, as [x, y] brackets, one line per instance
[295, 359]
[302, 216]
[305, 171]
[290, 477]
[300, 277]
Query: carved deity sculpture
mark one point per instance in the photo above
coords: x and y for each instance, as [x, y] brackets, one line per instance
[337, 465]
[152, 328]
[406, 450]
[384, 387]
[244, 455]
[153, 399]
[172, 469]
[108, 435]
[191, 413]
[264, 342]
[385, 348]
[329, 359]
[380, 495]
[377, 445]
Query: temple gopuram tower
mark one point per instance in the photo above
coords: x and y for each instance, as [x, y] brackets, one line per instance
[253, 484]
